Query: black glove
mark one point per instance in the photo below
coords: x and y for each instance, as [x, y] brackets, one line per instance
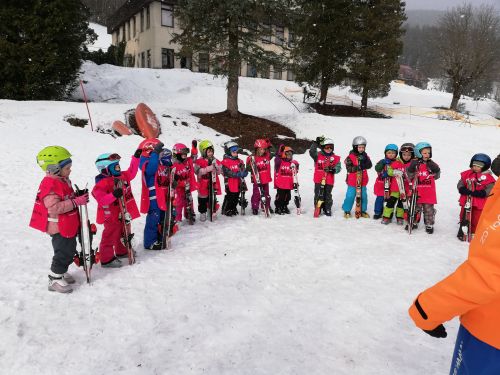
[432, 167]
[464, 191]
[194, 143]
[478, 193]
[438, 332]
[319, 139]
[158, 147]
[137, 153]
[118, 192]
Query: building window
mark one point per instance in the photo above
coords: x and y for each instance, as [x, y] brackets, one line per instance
[266, 38]
[167, 58]
[186, 62]
[277, 73]
[128, 30]
[291, 39]
[142, 20]
[280, 35]
[143, 60]
[149, 58]
[123, 33]
[133, 27]
[167, 15]
[148, 18]
[251, 71]
[117, 36]
[203, 63]
[290, 76]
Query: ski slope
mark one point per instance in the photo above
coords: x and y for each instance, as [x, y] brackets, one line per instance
[243, 295]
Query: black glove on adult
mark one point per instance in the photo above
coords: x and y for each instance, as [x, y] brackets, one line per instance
[438, 332]
[158, 147]
[137, 153]
[118, 192]
[464, 191]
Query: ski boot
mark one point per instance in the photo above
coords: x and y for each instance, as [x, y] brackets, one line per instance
[400, 221]
[155, 246]
[365, 215]
[327, 211]
[255, 211]
[377, 216]
[57, 283]
[203, 217]
[386, 221]
[429, 229]
[347, 215]
[286, 210]
[113, 263]
[68, 278]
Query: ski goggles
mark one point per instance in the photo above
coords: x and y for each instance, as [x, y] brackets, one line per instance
[328, 147]
[183, 151]
[111, 157]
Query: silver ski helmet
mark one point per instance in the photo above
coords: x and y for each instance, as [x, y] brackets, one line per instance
[358, 141]
[326, 142]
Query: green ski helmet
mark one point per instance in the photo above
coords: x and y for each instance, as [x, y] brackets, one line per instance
[52, 158]
[204, 145]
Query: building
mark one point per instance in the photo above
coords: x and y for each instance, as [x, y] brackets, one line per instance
[412, 77]
[147, 28]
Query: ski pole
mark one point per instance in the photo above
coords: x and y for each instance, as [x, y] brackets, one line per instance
[86, 103]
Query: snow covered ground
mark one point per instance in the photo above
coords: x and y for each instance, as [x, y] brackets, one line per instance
[244, 295]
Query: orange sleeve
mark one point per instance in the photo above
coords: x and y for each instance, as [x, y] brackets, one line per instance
[476, 282]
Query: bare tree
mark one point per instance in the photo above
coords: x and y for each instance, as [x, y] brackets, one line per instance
[467, 46]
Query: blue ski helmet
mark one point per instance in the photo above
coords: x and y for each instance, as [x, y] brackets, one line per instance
[420, 146]
[391, 147]
[483, 158]
[230, 146]
[166, 157]
[108, 162]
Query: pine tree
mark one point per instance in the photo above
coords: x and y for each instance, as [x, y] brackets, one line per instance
[41, 44]
[324, 31]
[374, 62]
[231, 32]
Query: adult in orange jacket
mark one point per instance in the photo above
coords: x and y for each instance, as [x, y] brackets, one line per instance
[473, 293]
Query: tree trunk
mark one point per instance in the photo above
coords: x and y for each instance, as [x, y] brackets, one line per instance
[364, 98]
[234, 69]
[457, 93]
[325, 83]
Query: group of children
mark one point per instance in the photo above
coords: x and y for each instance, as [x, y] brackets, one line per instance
[169, 177]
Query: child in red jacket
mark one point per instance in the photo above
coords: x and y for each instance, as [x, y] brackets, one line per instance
[262, 161]
[204, 167]
[111, 185]
[55, 213]
[477, 183]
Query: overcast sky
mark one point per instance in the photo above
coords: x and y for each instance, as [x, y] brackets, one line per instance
[444, 4]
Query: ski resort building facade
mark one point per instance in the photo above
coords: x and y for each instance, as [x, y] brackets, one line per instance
[147, 28]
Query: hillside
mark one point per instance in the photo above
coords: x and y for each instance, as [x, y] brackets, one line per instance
[243, 295]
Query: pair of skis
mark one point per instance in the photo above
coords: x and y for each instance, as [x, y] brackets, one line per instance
[466, 222]
[86, 257]
[168, 219]
[322, 189]
[126, 219]
[243, 189]
[212, 192]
